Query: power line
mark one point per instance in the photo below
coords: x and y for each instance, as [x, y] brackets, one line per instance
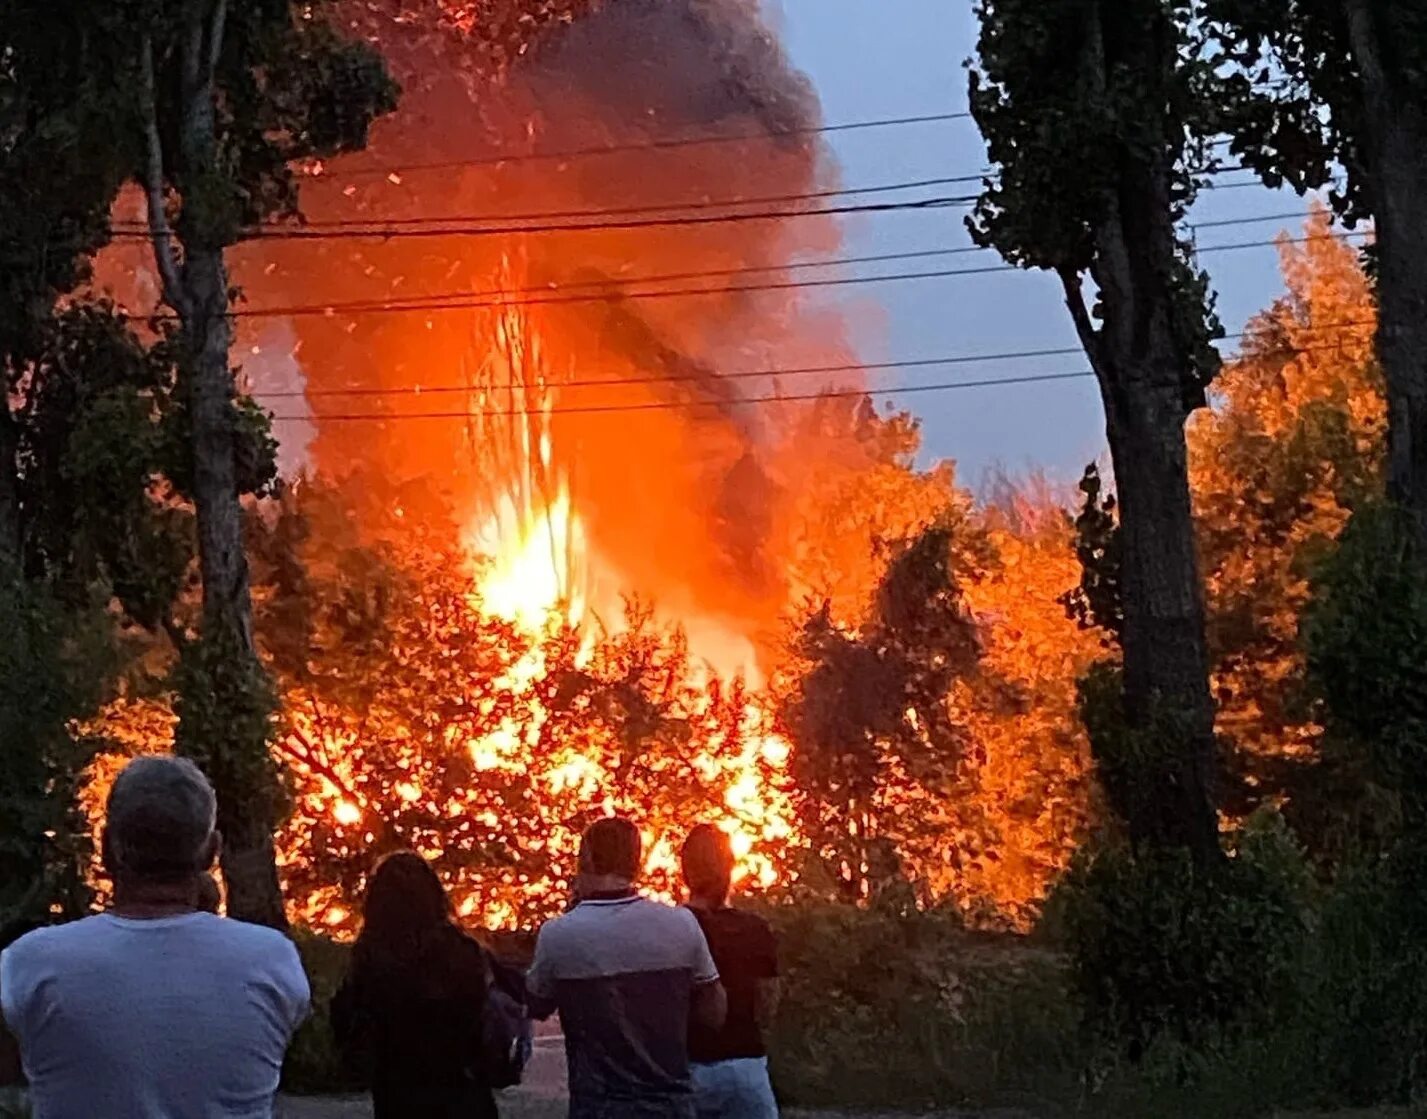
[537, 297]
[379, 232]
[614, 287]
[681, 378]
[384, 233]
[1034, 378]
[440, 222]
[650, 145]
[141, 228]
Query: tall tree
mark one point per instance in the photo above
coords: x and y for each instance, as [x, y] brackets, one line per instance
[1323, 85]
[870, 715]
[1294, 444]
[59, 170]
[222, 99]
[1094, 117]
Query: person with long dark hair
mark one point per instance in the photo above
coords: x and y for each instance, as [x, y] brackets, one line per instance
[412, 1006]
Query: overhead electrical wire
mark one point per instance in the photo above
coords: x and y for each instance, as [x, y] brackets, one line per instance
[661, 405]
[477, 226]
[685, 378]
[543, 297]
[776, 398]
[640, 146]
[142, 228]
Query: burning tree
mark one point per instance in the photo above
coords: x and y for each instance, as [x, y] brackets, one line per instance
[414, 716]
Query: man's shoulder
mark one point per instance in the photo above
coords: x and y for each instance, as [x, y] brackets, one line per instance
[746, 920]
[52, 938]
[244, 933]
[735, 926]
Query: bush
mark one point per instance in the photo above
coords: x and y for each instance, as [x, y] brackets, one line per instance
[1370, 1000]
[314, 1063]
[1163, 949]
[1363, 635]
[909, 1009]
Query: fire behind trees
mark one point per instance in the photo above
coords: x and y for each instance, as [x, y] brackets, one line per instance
[412, 715]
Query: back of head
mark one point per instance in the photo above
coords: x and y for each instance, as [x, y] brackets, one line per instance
[611, 848]
[159, 821]
[708, 862]
[406, 903]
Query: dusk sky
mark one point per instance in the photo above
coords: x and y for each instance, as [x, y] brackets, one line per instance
[878, 59]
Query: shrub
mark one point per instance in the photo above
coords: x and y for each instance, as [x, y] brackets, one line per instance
[887, 1008]
[1363, 634]
[1371, 973]
[314, 1063]
[1166, 949]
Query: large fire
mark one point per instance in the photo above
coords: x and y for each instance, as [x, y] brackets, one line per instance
[551, 551]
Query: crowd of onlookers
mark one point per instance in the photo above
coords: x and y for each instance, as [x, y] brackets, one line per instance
[160, 1008]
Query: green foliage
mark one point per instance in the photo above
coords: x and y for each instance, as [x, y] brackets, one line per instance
[1096, 602]
[50, 661]
[92, 439]
[314, 1062]
[1104, 108]
[225, 703]
[1164, 947]
[1363, 634]
[1140, 766]
[909, 1010]
[62, 158]
[1292, 86]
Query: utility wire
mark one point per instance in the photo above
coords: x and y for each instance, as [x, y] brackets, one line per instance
[376, 230]
[682, 378]
[777, 398]
[382, 233]
[540, 297]
[614, 286]
[139, 227]
[656, 406]
[649, 145]
[440, 222]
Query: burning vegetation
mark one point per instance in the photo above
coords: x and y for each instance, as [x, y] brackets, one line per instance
[538, 557]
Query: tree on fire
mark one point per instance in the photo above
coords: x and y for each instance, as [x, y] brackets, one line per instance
[1293, 445]
[1096, 122]
[412, 717]
[214, 102]
[1322, 85]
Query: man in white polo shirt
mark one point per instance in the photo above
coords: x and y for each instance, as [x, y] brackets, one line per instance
[155, 1009]
[627, 975]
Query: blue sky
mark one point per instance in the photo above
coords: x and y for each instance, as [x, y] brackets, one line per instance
[876, 59]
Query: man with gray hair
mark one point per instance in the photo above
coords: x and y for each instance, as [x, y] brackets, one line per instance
[155, 1009]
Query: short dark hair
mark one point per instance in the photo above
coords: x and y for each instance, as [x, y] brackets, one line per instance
[708, 861]
[611, 846]
[159, 820]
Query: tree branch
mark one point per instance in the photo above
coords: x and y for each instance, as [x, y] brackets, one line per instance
[215, 40]
[159, 230]
[176, 633]
[1084, 326]
[1362, 34]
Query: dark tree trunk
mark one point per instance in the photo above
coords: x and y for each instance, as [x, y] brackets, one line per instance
[227, 602]
[248, 860]
[197, 288]
[9, 487]
[1144, 359]
[1165, 656]
[1395, 154]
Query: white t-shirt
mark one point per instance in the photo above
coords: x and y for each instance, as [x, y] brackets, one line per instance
[184, 1017]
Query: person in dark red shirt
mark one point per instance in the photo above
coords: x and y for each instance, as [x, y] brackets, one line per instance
[729, 1066]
